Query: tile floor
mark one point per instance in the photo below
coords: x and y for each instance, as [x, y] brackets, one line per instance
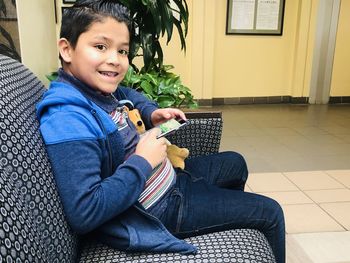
[300, 156]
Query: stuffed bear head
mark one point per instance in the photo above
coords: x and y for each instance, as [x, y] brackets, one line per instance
[135, 118]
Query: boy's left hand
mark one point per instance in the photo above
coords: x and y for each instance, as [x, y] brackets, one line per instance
[161, 115]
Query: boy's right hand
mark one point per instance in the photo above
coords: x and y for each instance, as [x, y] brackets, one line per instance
[151, 148]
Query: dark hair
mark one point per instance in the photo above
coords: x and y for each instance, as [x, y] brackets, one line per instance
[78, 18]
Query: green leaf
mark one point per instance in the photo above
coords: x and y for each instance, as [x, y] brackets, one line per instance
[134, 48]
[52, 76]
[151, 78]
[166, 19]
[146, 2]
[147, 87]
[159, 52]
[165, 101]
[148, 50]
[181, 34]
[156, 19]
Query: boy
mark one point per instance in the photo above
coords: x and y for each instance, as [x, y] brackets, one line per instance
[117, 186]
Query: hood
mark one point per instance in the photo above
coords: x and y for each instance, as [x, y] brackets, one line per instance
[60, 94]
[66, 115]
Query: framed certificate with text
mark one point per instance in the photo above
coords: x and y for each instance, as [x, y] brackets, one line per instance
[255, 17]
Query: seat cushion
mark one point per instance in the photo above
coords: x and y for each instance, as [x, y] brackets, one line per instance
[241, 245]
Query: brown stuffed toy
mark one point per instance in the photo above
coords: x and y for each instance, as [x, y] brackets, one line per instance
[176, 154]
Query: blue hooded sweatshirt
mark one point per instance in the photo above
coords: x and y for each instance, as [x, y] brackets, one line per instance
[98, 188]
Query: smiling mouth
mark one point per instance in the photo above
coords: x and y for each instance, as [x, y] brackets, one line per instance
[108, 73]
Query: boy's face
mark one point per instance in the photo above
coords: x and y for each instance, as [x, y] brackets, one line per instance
[100, 58]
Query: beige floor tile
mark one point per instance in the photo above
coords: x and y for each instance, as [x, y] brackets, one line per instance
[337, 129]
[280, 131]
[313, 180]
[289, 198]
[340, 212]
[295, 253]
[306, 218]
[319, 247]
[309, 130]
[346, 138]
[329, 195]
[250, 132]
[342, 176]
[324, 138]
[269, 182]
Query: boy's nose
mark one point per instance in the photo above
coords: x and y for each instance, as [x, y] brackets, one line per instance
[113, 58]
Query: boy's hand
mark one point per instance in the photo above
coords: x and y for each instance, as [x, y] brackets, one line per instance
[161, 115]
[151, 148]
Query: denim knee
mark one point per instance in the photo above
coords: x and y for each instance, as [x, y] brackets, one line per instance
[275, 230]
[239, 161]
[275, 212]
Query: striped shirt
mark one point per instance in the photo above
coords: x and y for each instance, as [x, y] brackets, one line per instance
[163, 176]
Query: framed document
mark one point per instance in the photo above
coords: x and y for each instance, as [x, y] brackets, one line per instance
[257, 17]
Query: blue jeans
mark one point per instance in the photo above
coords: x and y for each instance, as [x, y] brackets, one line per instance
[208, 197]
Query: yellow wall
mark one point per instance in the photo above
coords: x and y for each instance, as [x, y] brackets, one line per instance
[254, 65]
[36, 24]
[341, 77]
[220, 65]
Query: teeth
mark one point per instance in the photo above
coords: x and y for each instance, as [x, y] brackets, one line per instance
[109, 74]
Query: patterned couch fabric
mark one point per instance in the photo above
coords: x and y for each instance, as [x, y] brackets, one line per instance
[201, 135]
[32, 223]
[241, 245]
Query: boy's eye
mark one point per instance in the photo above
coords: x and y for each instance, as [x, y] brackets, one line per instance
[123, 52]
[100, 47]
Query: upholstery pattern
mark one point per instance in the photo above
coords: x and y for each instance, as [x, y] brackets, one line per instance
[32, 224]
[201, 135]
[241, 245]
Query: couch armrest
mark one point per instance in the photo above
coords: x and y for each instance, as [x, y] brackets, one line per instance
[202, 135]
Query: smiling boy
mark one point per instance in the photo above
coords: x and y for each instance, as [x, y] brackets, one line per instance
[100, 164]
[121, 188]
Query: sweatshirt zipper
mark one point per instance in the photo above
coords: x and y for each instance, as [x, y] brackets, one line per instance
[97, 117]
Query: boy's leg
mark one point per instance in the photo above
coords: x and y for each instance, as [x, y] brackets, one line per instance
[225, 169]
[195, 207]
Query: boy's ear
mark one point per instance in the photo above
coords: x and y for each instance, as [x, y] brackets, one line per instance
[65, 48]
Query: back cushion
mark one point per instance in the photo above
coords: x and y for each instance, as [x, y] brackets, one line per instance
[32, 223]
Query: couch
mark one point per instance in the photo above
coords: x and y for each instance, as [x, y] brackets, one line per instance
[33, 227]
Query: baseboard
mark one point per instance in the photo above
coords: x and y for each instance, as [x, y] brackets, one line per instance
[339, 99]
[253, 100]
[267, 100]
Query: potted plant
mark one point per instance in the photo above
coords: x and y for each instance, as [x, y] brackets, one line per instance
[153, 19]
[161, 86]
